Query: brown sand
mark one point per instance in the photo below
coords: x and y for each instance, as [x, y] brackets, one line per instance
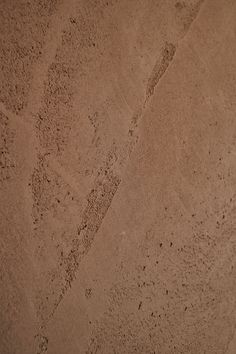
[118, 176]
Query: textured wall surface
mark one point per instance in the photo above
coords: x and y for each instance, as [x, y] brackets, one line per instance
[117, 176]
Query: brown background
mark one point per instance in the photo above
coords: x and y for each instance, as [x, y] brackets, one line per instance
[117, 176]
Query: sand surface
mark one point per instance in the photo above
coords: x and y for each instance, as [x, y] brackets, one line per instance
[117, 176]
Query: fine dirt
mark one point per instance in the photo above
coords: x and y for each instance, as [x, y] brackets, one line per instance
[117, 176]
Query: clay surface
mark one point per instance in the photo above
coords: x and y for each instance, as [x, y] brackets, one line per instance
[117, 176]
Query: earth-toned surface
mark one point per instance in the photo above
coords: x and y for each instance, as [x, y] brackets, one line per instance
[117, 176]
